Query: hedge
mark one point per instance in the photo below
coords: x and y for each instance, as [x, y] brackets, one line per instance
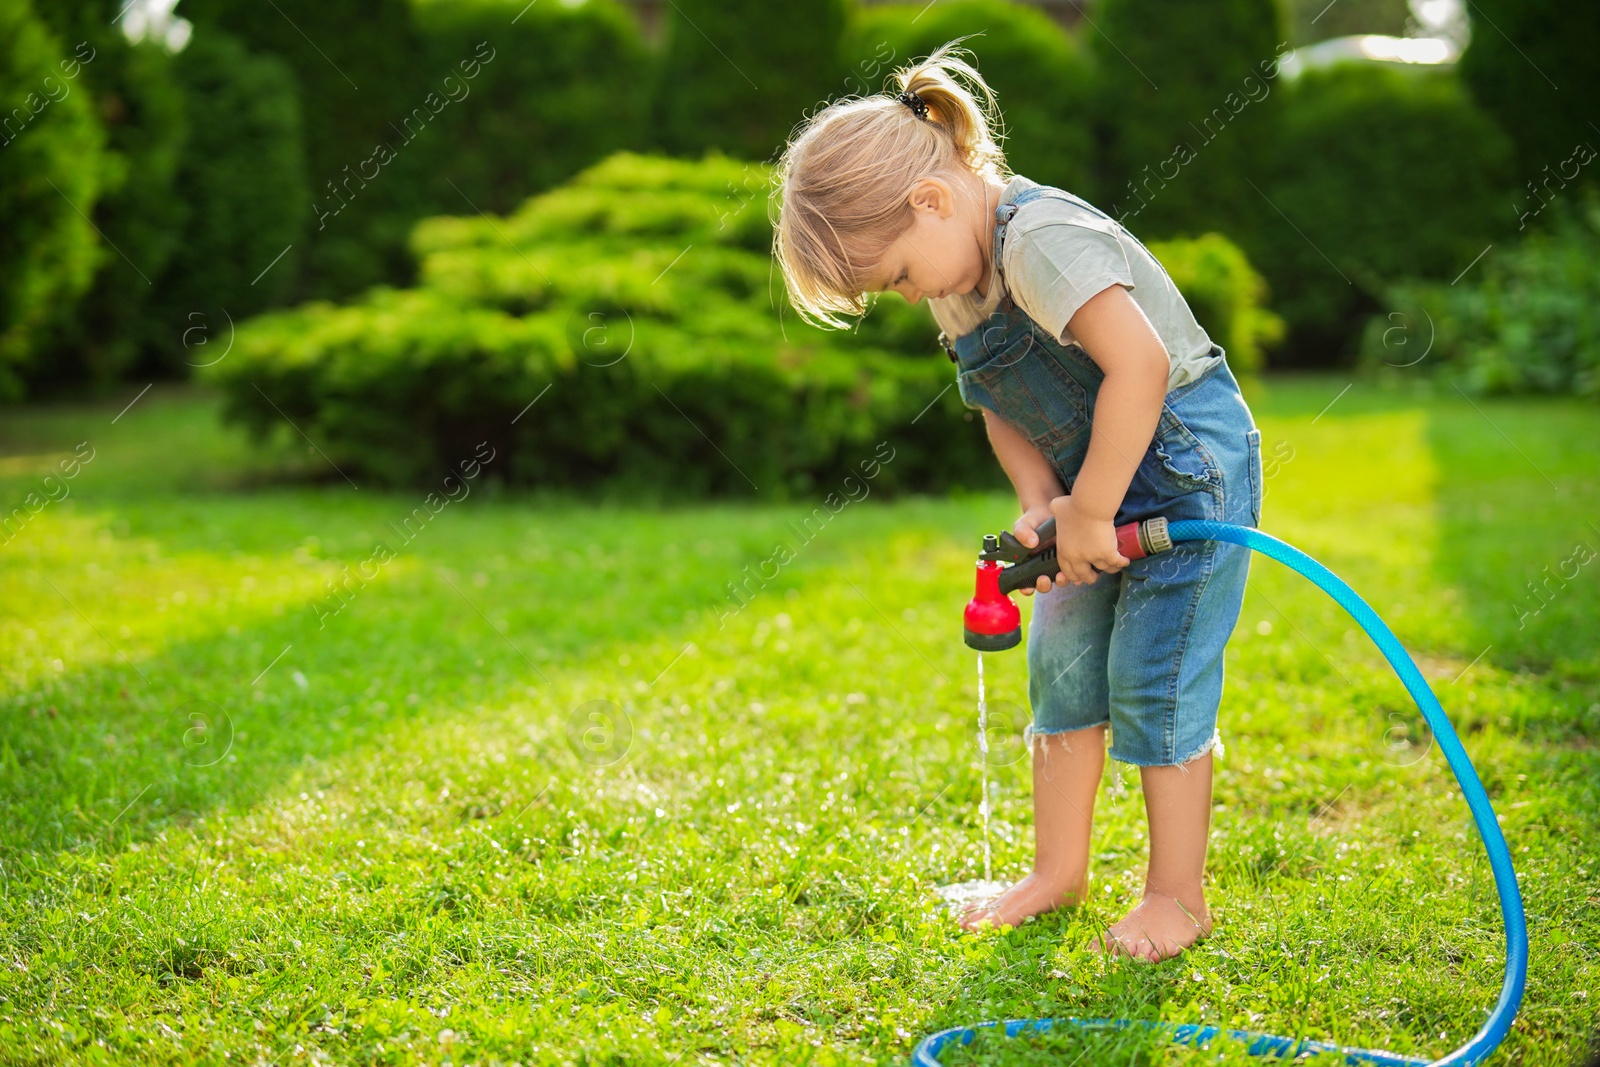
[51, 149]
[633, 310]
[1525, 324]
[1379, 175]
[1040, 75]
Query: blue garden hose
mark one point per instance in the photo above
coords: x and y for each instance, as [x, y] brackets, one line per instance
[1494, 1030]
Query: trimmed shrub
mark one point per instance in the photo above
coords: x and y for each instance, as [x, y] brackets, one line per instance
[1526, 326]
[736, 75]
[50, 170]
[1187, 109]
[1040, 75]
[1226, 295]
[639, 297]
[1380, 175]
[243, 177]
[562, 91]
[1521, 51]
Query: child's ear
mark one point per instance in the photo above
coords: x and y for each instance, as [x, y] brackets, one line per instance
[933, 195]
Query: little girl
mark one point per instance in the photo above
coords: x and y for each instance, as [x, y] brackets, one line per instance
[1106, 403]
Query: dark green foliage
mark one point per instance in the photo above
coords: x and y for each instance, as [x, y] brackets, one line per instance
[243, 179]
[1531, 65]
[1040, 75]
[1381, 175]
[1187, 108]
[737, 75]
[1226, 295]
[641, 297]
[561, 91]
[139, 214]
[1526, 324]
[50, 169]
[361, 75]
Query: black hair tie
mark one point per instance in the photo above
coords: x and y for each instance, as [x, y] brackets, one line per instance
[914, 102]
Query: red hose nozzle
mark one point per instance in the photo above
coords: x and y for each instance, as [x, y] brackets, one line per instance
[992, 622]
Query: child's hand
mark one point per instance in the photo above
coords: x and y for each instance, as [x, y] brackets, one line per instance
[1025, 530]
[1083, 543]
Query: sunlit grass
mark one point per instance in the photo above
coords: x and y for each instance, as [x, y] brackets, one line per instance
[541, 792]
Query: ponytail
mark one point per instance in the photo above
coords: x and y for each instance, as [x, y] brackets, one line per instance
[969, 115]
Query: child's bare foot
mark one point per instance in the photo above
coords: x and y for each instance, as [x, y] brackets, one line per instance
[1034, 895]
[1159, 927]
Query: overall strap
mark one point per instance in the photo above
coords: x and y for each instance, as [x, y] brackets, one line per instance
[1005, 212]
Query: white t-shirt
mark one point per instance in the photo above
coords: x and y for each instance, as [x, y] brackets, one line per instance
[1057, 255]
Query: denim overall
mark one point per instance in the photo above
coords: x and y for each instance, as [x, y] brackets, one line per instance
[1143, 648]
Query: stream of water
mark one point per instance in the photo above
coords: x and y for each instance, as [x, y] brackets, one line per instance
[983, 758]
[959, 895]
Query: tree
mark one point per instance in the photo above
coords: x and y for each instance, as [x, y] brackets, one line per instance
[1186, 111]
[362, 81]
[739, 74]
[243, 178]
[51, 163]
[1531, 66]
[1040, 75]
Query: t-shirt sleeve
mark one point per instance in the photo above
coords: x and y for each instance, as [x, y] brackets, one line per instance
[1059, 266]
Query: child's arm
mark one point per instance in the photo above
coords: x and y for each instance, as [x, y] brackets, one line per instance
[1031, 474]
[1115, 333]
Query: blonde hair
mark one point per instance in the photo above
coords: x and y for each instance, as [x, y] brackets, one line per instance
[845, 180]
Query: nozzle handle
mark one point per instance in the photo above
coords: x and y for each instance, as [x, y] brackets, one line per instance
[1135, 540]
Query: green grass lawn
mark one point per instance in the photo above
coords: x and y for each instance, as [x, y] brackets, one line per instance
[540, 792]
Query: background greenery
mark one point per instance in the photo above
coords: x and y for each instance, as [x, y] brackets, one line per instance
[236, 175]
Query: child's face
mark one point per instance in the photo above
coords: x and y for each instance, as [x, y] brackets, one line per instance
[943, 252]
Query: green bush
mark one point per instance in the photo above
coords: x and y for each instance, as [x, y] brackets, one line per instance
[640, 296]
[243, 177]
[1528, 63]
[51, 164]
[562, 91]
[1187, 110]
[1226, 295]
[1527, 326]
[1380, 175]
[1040, 74]
[736, 75]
